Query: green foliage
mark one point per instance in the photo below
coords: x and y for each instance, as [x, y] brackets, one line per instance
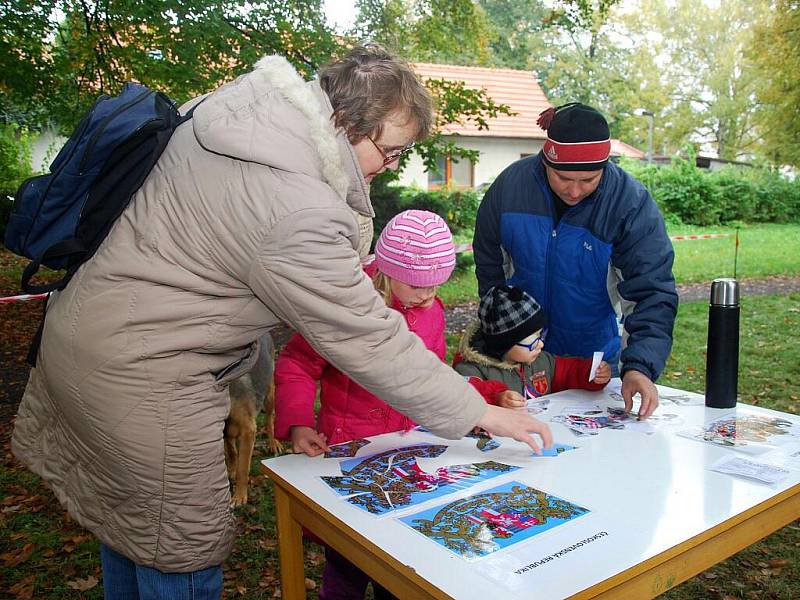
[580, 62]
[684, 61]
[709, 84]
[15, 156]
[457, 207]
[516, 28]
[683, 190]
[57, 57]
[779, 85]
[443, 31]
[690, 195]
[25, 73]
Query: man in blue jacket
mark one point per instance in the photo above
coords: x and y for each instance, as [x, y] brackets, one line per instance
[588, 242]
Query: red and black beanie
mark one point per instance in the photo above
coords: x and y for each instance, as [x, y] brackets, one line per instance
[578, 138]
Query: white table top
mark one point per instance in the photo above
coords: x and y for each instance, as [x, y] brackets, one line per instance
[645, 494]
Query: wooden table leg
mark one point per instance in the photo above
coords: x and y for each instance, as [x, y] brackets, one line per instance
[290, 546]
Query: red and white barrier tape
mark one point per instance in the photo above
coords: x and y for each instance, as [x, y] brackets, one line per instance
[21, 298]
[704, 236]
[368, 259]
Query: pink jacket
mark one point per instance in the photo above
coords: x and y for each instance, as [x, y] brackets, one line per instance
[347, 410]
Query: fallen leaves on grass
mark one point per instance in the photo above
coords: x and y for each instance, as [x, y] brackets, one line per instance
[23, 589]
[83, 584]
[708, 575]
[17, 557]
[777, 563]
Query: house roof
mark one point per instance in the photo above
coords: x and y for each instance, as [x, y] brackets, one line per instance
[518, 89]
[619, 148]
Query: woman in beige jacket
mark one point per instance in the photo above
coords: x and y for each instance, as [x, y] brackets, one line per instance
[253, 215]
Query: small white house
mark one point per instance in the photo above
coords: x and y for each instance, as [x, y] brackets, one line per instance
[508, 138]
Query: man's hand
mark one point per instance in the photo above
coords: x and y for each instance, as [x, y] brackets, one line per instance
[633, 382]
[603, 373]
[515, 424]
[307, 441]
[510, 399]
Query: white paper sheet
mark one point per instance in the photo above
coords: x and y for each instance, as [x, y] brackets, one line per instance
[597, 358]
[736, 465]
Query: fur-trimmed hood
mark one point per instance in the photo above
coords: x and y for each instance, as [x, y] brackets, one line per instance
[273, 117]
[472, 348]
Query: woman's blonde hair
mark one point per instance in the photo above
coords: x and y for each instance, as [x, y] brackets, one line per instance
[368, 85]
[383, 284]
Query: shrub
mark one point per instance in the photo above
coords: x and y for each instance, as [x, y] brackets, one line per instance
[15, 156]
[15, 167]
[687, 194]
[458, 207]
[776, 198]
[736, 195]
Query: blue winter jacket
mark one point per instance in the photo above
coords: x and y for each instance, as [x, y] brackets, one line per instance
[609, 260]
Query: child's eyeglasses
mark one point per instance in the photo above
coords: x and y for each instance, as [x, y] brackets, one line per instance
[532, 345]
[390, 157]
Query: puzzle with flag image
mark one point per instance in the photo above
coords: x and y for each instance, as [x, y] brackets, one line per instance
[393, 479]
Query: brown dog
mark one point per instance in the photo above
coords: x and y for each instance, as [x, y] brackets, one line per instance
[250, 394]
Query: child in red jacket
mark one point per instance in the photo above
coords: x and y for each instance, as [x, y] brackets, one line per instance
[502, 355]
[413, 256]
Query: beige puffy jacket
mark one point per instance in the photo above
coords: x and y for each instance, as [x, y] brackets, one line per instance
[246, 220]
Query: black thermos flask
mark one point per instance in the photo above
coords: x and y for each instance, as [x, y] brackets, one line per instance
[722, 358]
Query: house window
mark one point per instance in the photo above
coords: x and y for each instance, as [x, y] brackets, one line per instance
[451, 172]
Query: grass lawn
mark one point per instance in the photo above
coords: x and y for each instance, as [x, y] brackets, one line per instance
[44, 555]
[764, 250]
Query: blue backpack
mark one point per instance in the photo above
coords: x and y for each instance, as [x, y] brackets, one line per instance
[58, 220]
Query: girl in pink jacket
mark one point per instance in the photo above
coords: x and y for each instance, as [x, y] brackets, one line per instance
[414, 254]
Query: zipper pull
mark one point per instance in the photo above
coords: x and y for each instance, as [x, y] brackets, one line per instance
[554, 233]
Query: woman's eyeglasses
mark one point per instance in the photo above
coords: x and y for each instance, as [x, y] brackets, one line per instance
[390, 157]
[532, 345]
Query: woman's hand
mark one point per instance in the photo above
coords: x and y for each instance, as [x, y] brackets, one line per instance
[515, 424]
[307, 441]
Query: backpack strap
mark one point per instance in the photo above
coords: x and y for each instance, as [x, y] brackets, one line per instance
[63, 248]
[36, 342]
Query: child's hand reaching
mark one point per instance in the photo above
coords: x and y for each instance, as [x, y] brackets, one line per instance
[510, 399]
[603, 373]
[307, 441]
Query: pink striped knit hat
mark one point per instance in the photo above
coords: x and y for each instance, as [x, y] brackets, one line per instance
[416, 248]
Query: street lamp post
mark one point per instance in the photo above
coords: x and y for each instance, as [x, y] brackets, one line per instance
[651, 117]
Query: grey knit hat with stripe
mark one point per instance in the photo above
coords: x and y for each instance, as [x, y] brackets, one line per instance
[507, 315]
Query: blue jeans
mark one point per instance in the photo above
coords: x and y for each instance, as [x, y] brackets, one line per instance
[125, 580]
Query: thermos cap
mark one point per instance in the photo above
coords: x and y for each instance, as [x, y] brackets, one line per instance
[725, 292]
